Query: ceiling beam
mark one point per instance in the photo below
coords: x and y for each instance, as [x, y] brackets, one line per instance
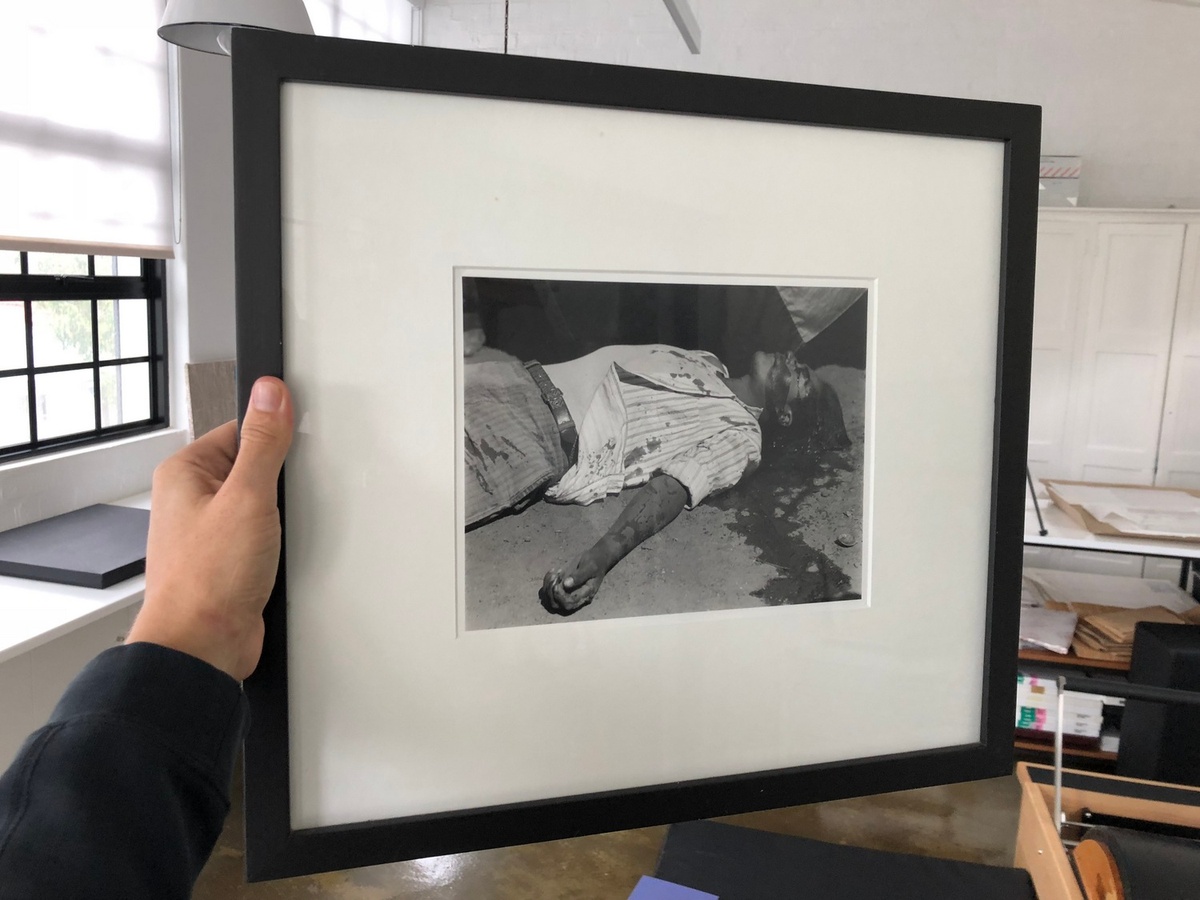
[685, 21]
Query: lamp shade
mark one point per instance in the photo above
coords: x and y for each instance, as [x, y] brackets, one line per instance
[205, 24]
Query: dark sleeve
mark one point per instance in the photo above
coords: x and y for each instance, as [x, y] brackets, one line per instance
[124, 792]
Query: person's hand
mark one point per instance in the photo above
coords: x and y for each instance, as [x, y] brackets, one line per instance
[214, 537]
[569, 588]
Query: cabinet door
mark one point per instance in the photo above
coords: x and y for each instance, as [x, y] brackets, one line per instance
[1179, 445]
[1127, 343]
[1061, 264]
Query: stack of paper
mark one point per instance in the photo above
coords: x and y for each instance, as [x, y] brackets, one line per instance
[1109, 634]
[1108, 609]
[1047, 629]
[1076, 590]
[1129, 509]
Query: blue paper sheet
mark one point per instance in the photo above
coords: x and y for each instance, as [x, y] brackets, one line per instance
[655, 889]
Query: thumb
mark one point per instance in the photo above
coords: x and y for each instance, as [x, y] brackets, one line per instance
[265, 438]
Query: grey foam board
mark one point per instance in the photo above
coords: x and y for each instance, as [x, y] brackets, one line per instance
[96, 547]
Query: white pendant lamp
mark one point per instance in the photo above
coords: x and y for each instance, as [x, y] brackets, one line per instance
[206, 24]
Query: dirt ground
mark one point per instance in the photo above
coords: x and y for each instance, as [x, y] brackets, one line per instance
[791, 533]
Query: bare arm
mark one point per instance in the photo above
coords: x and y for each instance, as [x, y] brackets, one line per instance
[656, 504]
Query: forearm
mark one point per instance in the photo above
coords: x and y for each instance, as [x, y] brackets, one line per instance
[568, 589]
[655, 506]
[124, 792]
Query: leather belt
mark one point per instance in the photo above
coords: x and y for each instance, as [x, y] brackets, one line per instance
[557, 404]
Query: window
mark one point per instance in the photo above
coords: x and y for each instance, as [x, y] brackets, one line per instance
[82, 350]
[365, 20]
[85, 158]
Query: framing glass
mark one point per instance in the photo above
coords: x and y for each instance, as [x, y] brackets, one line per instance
[368, 178]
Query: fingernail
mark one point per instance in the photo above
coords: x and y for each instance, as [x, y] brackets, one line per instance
[266, 396]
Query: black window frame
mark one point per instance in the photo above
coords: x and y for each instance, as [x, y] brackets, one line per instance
[149, 285]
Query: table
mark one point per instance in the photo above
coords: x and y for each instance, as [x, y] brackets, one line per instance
[1062, 532]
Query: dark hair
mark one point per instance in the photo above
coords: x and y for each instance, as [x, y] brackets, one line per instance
[816, 423]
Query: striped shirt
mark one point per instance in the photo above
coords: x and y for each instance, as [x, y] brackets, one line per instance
[662, 410]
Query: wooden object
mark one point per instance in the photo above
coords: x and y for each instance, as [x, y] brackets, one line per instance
[1047, 747]
[1072, 660]
[1039, 849]
[212, 395]
[1097, 871]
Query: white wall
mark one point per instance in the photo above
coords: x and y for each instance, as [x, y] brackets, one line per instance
[1117, 80]
[202, 276]
[200, 282]
[202, 273]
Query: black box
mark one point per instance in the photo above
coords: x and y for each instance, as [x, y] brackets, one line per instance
[1161, 742]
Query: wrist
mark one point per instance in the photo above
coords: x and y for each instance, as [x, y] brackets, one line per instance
[210, 642]
[607, 552]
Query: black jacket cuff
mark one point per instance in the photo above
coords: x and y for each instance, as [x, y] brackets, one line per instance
[197, 709]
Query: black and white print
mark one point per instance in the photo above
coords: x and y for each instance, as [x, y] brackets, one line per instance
[678, 448]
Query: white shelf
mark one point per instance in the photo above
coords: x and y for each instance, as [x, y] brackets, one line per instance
[33, 613]
[1066, 534]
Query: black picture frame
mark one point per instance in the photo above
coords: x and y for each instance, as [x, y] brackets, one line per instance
[262, 63]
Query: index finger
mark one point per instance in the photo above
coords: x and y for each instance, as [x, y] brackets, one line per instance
[204, 463]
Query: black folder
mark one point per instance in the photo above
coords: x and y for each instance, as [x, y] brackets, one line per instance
[738, 863]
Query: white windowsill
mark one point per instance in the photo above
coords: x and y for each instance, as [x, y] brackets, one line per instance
[169, 434]
[45, 486]
[33, 613]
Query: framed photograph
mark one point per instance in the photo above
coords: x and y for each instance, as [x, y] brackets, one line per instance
[660, 443]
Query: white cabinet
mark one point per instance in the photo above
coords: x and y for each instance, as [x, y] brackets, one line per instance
[1111, 288]
[1179, 443]
[1115, 387]
[1126, 351]
[32, 682]
[1061, 261]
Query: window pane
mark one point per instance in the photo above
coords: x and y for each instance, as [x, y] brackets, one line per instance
[123, 329]
[64, 403]
[62, 332]
[14, 411]
[104, 266]
[124, 394]
[10, 262]
[58, 264]
[129, 265]
[12, 334]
